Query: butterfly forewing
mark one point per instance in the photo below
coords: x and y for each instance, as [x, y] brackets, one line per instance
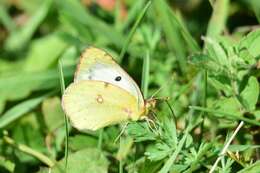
[96, 64]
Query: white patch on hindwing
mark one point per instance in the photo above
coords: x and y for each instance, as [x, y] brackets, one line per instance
[111, 74]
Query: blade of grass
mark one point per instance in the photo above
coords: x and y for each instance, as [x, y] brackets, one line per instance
[117, 14]
[204, 104]
[130, 35]
[100, 139]
[172, 32]
[21, 109]
[23, 83]
[178, 22]
[145, 74]
[66, 121]
[95, 24]
[6, 20]
[227, 115]
[132, 13]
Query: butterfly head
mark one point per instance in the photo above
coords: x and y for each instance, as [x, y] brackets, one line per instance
[150, 103]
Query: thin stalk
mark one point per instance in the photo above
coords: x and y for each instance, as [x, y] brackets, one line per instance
[226, 115]
[100, 139]
[46, 160]
[66, 121]
[121, 160]
[117, 14]
[224, 150]
[145, 74]
[121, 166]
[173, 114]
[205, 86]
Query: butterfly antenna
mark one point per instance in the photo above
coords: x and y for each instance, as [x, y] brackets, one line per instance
[172, 112]
[121, 133]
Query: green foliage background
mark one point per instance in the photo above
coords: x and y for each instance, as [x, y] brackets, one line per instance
[204, 55]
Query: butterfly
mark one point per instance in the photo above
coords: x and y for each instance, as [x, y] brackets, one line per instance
[102, 93]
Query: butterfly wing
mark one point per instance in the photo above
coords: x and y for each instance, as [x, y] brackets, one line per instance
[91, 105]
[96, 64]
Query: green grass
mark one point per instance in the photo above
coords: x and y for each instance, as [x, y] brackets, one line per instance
[203, 55]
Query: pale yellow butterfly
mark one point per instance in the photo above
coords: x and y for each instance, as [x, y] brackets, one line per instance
[102, 93]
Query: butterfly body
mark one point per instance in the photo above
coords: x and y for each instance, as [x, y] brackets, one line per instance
[102, 93]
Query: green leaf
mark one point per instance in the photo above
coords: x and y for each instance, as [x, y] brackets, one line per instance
[23, 83]
[228, 105]
[79, 142]
[216, 51]
[236, 148]
[140, 132]
[28, 132]
[256, 7]
[221, 83]
[250, 43]
[202, 60]
[83, 161]
[52, 113]
[253, 168]
[158, 151]
[7, 164]
[19, 110]
[257, 115]
[7, 67]
[37, 59]
[249, 95]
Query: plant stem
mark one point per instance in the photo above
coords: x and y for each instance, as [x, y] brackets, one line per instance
[232, 116]
[120, 160]
[224, 150]
[100, 139]
[145, 74]
[66, 121]
[205, 80]
[29, 151]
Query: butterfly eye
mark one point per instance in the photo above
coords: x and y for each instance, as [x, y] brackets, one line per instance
[118, 78]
